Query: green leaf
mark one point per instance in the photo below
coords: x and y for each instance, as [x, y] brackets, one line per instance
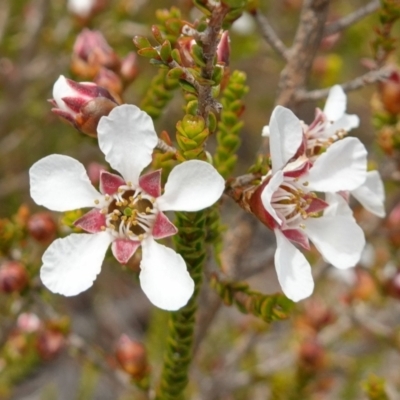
[141, 42]
[149, 52]
[165, 51]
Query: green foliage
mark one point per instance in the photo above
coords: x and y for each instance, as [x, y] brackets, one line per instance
[158, 95]
[190, 244]
[267, 307]
[374, 388]
[228, 139]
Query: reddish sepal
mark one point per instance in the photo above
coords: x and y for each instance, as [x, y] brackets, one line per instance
[297, 236]
[151, 183]
[317, 205]
[109, 183]
[124, 249]
[75, 103]
[64, 114]
[92, 221]
[163, 227]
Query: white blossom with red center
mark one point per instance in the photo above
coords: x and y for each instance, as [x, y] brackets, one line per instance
[128, 212]
[333, 124]
[295, 202]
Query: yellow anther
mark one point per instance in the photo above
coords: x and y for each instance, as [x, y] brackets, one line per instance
[118, 204]
[96, 202]
[120, 190]
[302, 226]
[148, 210]
[103, 228]
[107, 197]
[306, 183]
[141, 237]
[129, 183]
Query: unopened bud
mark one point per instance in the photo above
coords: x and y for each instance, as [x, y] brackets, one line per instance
[312, 355]
[81, 104]
[91, 52]
[129, 67]
[132, 357]
[390, 93]
[224, 49]
[49, 343]
[316, 315]
[393, 226]
[110, 81]
[28, 322]
[42, 227]
[13, 277]
[393, 285]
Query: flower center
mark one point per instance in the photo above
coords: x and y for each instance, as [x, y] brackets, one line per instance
[130, 214]
[292, 203]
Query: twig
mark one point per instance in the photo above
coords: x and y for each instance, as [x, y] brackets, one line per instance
[301, 55]
[352, 18]
[270, 35]
[210, 43]
[357, 83]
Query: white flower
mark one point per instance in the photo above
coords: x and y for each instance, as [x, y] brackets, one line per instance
[128, 210]
[293, 210]
[332, 124]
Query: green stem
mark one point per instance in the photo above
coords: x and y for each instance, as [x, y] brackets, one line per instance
[190, 243]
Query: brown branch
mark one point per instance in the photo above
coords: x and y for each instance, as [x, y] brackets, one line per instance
[270, 35]
[301, 55]
[357, 83]
[352, 18]
[210, 41]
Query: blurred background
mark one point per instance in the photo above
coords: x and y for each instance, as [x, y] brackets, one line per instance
[332, 345]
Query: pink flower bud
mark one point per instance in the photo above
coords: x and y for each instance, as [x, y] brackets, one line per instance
[110, 81]
[92, 52]
[393, 225]
[81, 104]
[28, 322]
[132, 357]
[49, 343]
[224, 49]
[13, 277]
[129, 67]
[390, 93]
[42, 227]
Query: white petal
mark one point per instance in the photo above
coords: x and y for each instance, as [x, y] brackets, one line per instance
[339, 239]
[342, 167]
[60, 183]
[337, 206]
[62, 89]
[164, 277]
[371, 194]
[265, 131]
[191, 186]
[71, 264]
[336, 102]
[266, 195]
[286, 135]
[347, 122]
[127, 138]
[293, 270]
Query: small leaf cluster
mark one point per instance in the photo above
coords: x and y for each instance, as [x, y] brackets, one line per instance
[269, 308]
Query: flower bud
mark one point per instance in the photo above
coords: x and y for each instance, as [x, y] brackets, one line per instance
[390, 93]
[393, 285]
[110, 81]
[49, 343]
[393, 226]
[129, 67]
[312, 355]
[13, 277]
[81, 104]
[132, 357]
[224, 49]
[42, 227]
[91, 52]
[28, 323]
